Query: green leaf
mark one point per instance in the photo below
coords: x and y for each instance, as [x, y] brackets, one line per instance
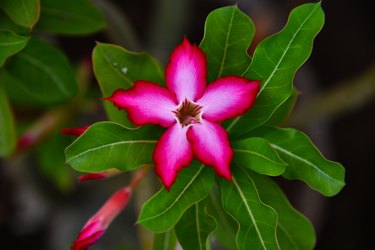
[304, 160]
[70, 17]
[115, 67]
[257, 221]
[39, 75]
[164, 209]
[23, 12]
[283, 112]
[10, 44]
[294, 231]
[7, 129]
[7, 24]
[165, 241]
[194, 228]
[108, 145]
[275, 62]
[227, 35]
[257, 154]
[52, 165]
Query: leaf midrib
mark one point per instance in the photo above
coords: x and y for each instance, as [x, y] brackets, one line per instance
[258, 154]
[109, 145]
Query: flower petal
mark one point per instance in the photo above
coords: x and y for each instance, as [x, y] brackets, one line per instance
[228, 97]
[172, 152]
[146, 103]
[96, 225]
[185, 73]
[211, 146]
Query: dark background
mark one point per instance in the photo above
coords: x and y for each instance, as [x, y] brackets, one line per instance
[35, 215]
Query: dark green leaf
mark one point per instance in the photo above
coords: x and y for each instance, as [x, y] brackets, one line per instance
[227, 36]
[38, 75]
[108, 145]
[23, 12]
[257, 154]
[165, 241]
[164, 209]
[115, 67]
[275, 62]
[10, 44]
[304, 160]
[194, 228]
[294, 231]
[257, 221]
[7, 130]
[70, 17]
[226, 229]
[52, 165]
[7, 24]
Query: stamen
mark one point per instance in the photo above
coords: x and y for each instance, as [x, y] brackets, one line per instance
[188, 113]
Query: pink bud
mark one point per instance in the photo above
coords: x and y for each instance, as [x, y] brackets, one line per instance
[74, 131]
[98, 176]
[96, 225]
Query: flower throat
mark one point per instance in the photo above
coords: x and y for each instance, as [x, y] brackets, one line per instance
[188, 113]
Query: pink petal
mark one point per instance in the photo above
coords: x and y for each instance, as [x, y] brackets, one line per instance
[228, 97]
[96, 226]
[185, 73]
[146, 103]
[211, 146]
[172, 152]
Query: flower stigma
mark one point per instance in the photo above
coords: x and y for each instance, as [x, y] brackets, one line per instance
[188, 113]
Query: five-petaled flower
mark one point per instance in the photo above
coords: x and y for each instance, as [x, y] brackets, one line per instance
[191, 110]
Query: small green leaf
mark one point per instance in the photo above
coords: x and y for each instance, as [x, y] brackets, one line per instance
[304, 160]
[7, 129]
[226, 227]
[257, 154]
[7, 24]
[275, 62]
[194, 228]
[39, 75]
[165, 241]
[52, 165]
[108, 145]
[164, 209]
[23, 12]
[227, 36]
[257, 221]
[10, 44]
[294, 231]
[115, 67]
[70, 17]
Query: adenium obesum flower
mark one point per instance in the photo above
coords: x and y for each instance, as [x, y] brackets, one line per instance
[96, 225]
[191, 110]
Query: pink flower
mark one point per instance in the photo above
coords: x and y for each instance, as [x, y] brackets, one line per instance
[191, 110]
[96, 226]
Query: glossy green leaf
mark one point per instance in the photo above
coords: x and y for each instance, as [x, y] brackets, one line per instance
[39, 75]
[257, 154]
[7, 129]
[304, 160]
[257, 221]
[227, 36]
[165, 241]
[70, 17]
[226, 227]
[282, 113]
[51, 161]
[108, 145]
[275, 62]
[10, 44]
[7, 24]
[164, 209]
[115, 67]
[23, 12]
[194, 228]
[294, 231]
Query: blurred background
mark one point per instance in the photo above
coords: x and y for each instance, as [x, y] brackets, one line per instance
[43, 207]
